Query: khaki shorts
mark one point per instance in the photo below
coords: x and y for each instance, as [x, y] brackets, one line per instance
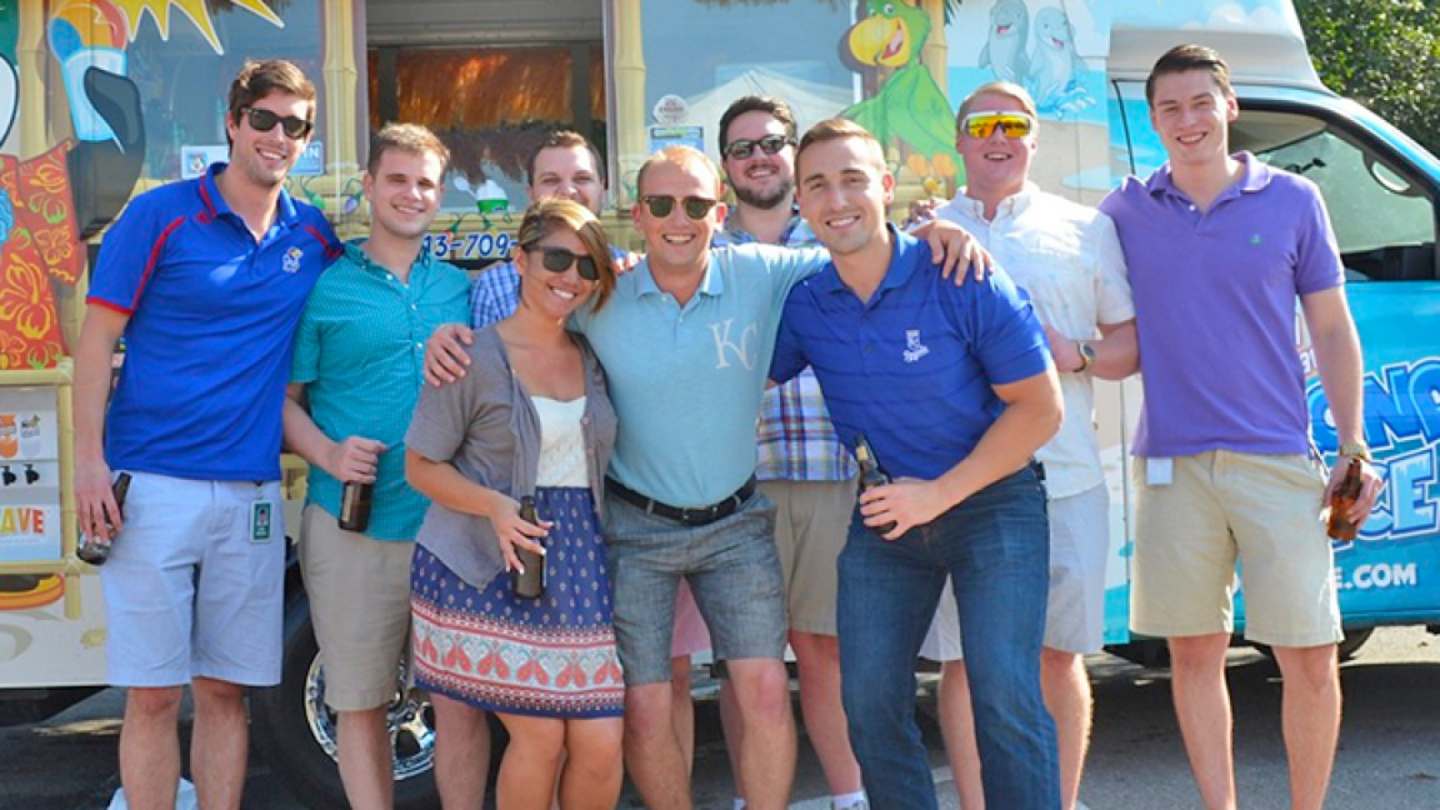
[359, 591]
[1220, 505]
[811, 522]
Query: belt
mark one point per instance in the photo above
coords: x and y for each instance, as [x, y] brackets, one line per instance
[690, 516]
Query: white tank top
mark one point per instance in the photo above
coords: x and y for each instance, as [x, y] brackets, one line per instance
[562, 444]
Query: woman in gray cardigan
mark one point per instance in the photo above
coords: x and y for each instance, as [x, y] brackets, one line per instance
[531, 418]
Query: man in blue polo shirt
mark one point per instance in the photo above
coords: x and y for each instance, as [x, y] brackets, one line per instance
[206, 280]
[358, 360]
[954, 390]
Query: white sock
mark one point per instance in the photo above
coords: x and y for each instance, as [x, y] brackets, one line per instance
[848, 800]
[739, 803]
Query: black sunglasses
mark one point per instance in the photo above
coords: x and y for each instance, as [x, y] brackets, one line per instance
[264, 121]
[770, 144]
[558, 260]
[661, 205]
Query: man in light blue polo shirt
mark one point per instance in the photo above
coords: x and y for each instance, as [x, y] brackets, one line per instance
[954, 390]
[359, 356]
[686, 342]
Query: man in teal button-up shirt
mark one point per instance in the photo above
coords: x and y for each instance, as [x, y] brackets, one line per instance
[359, 359]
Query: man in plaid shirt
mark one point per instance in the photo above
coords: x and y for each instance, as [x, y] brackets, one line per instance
[802, 466]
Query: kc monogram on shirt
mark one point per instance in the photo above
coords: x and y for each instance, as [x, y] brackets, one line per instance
[722, 330]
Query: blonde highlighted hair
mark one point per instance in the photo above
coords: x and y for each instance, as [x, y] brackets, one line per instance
[545, 217]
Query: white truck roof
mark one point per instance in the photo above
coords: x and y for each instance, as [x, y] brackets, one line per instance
[1272, 56]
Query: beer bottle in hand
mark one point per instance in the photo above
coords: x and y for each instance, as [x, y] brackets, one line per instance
[871, 475]
[355, 506]
[1345, 496]
[529, 583]
[93, 550]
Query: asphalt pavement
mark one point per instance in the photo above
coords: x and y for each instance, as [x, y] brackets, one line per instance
[1389, 750]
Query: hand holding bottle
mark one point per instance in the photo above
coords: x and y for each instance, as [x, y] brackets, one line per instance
[354, 459]
[514, 532]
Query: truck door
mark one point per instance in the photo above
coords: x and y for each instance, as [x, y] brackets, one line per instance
[1380, 189]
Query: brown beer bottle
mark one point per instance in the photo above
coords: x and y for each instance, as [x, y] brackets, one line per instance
[529, 583]
[871, 475]
[94, 550]
[355, 502]
[1344, 496]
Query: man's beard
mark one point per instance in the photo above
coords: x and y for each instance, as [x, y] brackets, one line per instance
[767, 201]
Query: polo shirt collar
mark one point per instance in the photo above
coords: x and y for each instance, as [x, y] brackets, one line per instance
[712, 284]
[904, 254]
[1255, 176]
[216, 207]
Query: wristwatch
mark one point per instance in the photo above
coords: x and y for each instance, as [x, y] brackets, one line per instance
[1358, 450]
[1087, 355]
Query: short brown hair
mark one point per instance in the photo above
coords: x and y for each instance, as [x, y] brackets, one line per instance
[544, 217]
[565, 139]
[259, 78]
[1185, 58]
[1010, 89]
[778, 109]
[412, 138]
[832, 129]
[683, 156]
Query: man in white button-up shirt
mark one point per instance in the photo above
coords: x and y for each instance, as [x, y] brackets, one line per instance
[1068, 258]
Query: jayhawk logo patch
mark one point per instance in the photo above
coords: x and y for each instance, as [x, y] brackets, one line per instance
[292, 260]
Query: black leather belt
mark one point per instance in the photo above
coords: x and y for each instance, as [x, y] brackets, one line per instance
[690, 516]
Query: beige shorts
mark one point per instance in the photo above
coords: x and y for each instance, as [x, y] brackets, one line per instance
[359, 591]
[1219, 506]
[811, 522]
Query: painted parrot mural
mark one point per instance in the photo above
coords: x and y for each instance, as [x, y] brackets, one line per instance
[910, 108]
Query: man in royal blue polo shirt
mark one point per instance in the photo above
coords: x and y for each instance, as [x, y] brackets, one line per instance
[206, 280]
[954, 390]
[1220, 247]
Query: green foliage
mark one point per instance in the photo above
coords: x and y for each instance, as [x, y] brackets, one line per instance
[1384, 54]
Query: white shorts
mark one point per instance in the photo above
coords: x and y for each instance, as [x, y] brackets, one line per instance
[1075, 610]
[195, 583]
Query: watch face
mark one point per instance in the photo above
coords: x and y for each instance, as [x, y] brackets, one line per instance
[1087, 350]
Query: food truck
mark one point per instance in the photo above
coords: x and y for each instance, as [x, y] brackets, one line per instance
[103, 99]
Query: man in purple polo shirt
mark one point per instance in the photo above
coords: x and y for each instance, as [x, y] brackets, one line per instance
[206, 280]
[1219, 247]
[954, 390]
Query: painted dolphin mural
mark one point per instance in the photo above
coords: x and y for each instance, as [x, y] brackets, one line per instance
[1006, 40]
[1054, 64]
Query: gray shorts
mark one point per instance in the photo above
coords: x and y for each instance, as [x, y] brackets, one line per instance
[1075, 609]
[733, 572]
[195, 585]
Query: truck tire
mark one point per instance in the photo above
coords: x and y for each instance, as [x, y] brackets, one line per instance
[293, 729]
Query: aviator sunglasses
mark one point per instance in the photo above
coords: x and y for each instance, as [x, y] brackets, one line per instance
[661, 205]
[558, 260]
[982, 125]
[264, 121]
[770, 144]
